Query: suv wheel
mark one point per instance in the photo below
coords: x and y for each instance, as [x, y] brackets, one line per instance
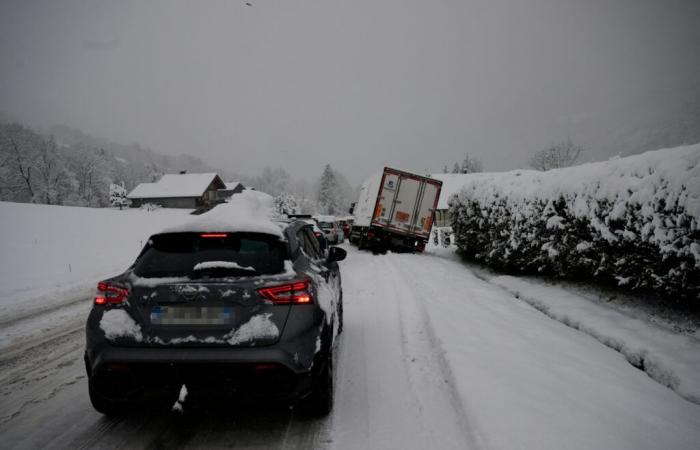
[340, 313]
[319, 402]
[104, 406]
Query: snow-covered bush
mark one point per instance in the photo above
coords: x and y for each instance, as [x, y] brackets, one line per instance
[118, 196]
[286, 204]
[632, 221]
[149, 206]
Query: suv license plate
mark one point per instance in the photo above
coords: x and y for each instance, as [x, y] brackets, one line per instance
[191, 315]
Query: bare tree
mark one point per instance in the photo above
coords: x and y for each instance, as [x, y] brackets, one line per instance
[561, 154]
[18, 149]
[54, 178]
[25, 170]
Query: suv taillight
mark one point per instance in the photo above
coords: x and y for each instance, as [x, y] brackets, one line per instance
[112, 294]
[294, 293]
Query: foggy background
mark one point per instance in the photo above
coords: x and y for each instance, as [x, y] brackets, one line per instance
[358, 84]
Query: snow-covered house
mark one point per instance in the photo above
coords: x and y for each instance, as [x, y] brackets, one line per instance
[184, 190]
[232, 187]
[451, 184]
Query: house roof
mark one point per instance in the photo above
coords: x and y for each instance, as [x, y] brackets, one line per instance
[231, 185]
[176, 185]
[451, 184]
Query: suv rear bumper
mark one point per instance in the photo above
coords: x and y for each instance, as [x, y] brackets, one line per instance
[139, 373]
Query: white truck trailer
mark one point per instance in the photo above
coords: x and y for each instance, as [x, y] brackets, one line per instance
[395, 211]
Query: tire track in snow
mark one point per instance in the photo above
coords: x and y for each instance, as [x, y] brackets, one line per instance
[351, 417]
[428, 364]
[392, 391]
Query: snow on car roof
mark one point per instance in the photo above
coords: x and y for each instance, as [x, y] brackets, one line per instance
[313, 224]
[250, 211]
[451, 184]
[175, 185]
[325, 218]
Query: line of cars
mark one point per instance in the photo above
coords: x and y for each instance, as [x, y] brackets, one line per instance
[226, 305]
[331, 230]
[334, 229]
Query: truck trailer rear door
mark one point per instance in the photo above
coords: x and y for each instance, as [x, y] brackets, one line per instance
[428, 203]
[403, 215]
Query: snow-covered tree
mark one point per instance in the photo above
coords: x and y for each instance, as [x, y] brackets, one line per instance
[18, 177]
[329, 196]
[286, 204]
[273, 181]
[470, 165]
[94, 171]
[55, 180]
[561, 154]
[117, 196]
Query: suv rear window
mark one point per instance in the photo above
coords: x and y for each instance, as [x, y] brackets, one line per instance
[226, 254]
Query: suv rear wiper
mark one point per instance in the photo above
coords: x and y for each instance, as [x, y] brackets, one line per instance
[220, 267]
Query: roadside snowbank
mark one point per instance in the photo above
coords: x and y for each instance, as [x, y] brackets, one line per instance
[531, 382]
[670, 358]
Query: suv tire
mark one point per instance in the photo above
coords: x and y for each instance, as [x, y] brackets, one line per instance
[319, 402]
[104, 406]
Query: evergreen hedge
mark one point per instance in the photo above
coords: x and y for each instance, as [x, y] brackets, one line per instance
[632, 222]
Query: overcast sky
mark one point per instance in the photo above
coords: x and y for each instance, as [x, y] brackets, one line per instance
[356, 83]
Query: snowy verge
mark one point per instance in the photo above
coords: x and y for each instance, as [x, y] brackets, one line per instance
[669, 358]
[633, 222]
[532, 382]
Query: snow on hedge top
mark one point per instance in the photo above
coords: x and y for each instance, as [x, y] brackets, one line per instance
[250, 211]
[671, 175]
[175, 185]
[451, 184]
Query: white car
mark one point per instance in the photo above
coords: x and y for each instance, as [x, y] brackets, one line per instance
[331, 229]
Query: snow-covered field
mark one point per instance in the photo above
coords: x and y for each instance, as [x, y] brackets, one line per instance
[431, 356]
[48, 250]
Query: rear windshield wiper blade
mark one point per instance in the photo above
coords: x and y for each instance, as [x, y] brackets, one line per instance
[218, 267]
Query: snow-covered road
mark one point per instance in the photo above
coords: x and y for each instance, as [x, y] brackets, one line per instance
[431, 356]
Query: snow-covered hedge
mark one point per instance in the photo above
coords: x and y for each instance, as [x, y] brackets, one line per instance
[631, 221]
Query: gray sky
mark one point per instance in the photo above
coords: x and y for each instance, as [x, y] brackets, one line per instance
[355, 83]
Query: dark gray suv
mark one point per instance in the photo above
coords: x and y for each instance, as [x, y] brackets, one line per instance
[246, 314]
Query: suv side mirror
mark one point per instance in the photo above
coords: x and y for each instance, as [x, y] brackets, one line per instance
[336, 254]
